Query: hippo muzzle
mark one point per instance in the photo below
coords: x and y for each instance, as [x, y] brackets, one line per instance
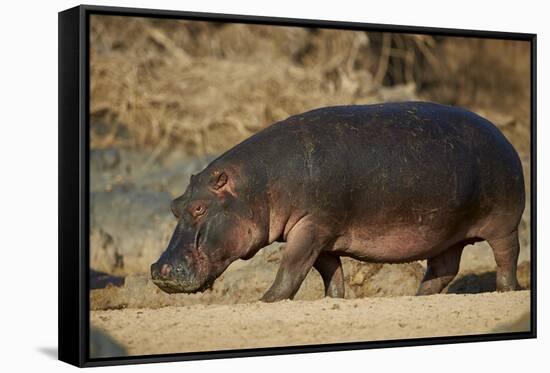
[182, 268]
[177, 278]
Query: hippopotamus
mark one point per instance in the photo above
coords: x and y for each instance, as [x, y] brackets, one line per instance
[385, 183]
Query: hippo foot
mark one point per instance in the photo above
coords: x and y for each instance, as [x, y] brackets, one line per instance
[507, 283]
[441, 270]
[506, 251]
[434, 286]
[509, 288]
[270, 297]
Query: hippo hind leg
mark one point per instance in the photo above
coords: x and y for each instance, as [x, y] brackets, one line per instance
[330, 269]
[506, 251]
[441, 270]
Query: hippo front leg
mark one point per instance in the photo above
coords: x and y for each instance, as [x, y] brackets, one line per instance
[304, 243]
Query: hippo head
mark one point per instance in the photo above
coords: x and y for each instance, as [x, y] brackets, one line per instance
[215, 227]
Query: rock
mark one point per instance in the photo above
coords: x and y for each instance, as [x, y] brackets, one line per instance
[358, 279]
[112, 168]
[129, 229]
[131, 221]
[375, 279]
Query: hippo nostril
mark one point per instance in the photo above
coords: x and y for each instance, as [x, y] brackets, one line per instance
[165, 270]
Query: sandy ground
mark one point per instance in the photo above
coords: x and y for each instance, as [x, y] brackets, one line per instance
[221, 327]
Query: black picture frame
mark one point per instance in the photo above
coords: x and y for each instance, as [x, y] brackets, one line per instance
[74, 150]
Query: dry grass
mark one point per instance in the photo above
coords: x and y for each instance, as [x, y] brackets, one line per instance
[205, 87]
[200, 87]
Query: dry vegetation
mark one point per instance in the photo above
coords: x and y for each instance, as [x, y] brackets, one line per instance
[199, 87]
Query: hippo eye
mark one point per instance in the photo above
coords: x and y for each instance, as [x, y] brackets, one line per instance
[199, 210]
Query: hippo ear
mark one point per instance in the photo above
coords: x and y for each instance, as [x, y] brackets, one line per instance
[218, 180]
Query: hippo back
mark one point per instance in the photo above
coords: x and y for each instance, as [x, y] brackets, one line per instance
[372, 163]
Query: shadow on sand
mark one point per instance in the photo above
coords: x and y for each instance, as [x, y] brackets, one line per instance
[474, 283]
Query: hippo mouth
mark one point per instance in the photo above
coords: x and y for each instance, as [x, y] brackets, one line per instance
[174, 286]
[189, 276]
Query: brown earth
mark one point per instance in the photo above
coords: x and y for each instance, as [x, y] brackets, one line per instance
[294, 323]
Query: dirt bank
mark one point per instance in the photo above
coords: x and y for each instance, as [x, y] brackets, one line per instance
[220, 327]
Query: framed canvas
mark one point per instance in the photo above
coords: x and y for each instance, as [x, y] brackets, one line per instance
[235, 186]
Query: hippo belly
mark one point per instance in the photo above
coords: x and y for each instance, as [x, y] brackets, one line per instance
[397, 245]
